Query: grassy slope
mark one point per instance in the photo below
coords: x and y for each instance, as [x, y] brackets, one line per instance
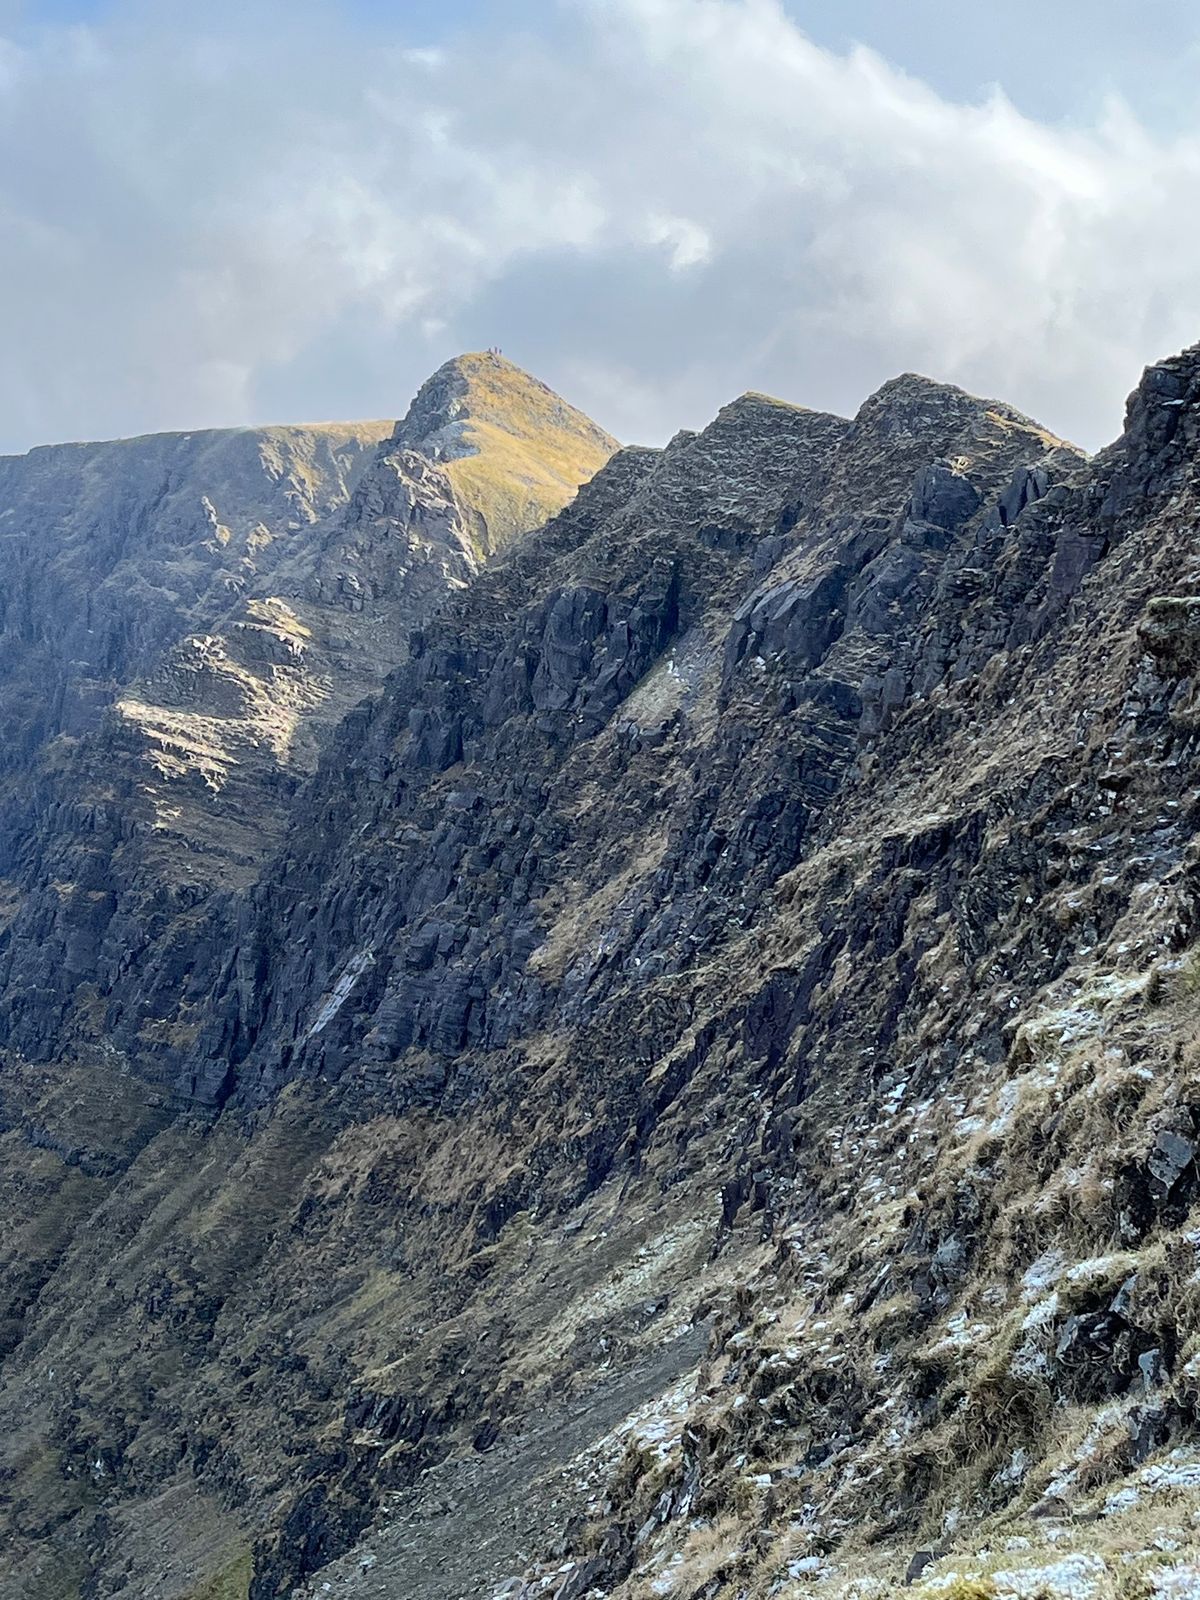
[530, 451]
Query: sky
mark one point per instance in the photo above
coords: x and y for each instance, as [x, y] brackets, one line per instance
[257, 211]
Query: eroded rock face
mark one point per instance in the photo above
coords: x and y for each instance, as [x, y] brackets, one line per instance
[113, 550]
[190, 615]
[712, 1045]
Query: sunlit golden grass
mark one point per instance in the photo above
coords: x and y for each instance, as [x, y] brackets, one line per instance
[532, 451]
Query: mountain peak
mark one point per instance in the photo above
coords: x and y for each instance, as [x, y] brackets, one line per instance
[514, 451]
[912, 394]
[911, 420]
[484, 389]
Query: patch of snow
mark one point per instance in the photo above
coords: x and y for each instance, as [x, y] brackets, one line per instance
[1042, 1314]
[1176, 1583]
[1075, 1577]
[1042, 1276]
[666, 1581]
[1179, 1470]
[962, 1335]
[1102, 1269]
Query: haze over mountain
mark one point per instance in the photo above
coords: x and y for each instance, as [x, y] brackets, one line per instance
[585, 1021]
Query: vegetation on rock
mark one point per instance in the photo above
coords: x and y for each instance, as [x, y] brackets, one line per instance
[696, 1091]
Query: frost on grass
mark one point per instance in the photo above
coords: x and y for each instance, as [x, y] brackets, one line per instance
[1075, 1577]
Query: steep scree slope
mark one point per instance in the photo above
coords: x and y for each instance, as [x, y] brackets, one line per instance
[703, 1100]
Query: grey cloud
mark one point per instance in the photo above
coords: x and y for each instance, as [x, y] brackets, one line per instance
[212, 218]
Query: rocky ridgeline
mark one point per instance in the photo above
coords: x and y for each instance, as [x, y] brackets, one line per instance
[197, 611]
[436, 955]
[697, 1095]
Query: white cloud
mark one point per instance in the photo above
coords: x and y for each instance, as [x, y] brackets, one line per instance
[686, 244]
[220, 219]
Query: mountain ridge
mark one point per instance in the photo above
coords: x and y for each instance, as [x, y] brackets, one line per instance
[206, 616]
[702, 1098]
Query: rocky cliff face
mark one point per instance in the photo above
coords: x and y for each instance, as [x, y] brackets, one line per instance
[696, 1096]
[184, 617]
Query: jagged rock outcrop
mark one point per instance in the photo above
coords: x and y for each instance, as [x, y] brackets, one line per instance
[207, 702]
[703, 1098]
